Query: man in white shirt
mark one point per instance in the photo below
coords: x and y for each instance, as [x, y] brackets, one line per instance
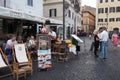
[104, 39]
[53, 36]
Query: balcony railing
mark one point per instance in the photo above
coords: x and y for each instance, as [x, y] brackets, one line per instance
[77, 7]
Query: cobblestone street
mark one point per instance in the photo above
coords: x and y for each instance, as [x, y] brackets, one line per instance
[83, 67]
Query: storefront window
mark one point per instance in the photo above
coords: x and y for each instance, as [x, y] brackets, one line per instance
[1, 24]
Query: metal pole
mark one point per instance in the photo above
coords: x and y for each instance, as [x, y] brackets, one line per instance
[107, 20]
[63, 20]
[107, 17]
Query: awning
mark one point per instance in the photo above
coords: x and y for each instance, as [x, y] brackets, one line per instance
[50, 21]
[9, 13]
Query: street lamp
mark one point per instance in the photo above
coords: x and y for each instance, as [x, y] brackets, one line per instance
[63, 20]
[107, 19]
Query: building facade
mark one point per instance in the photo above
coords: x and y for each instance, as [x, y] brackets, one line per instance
[108, 14]
[54, 9]
[20, 16]
[88, 18]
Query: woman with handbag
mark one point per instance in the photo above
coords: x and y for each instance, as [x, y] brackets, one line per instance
[96, 43]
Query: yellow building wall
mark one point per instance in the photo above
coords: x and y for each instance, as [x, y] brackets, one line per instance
[111, 25]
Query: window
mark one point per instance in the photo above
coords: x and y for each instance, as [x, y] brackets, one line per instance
[106, 19]
[30, 2]
[106, 10]
[72, 15]
[112, 9]
[100, 20]
[118, 19]
[101, 1]
[112, 0]
[111, 19]
[118, 9]
[100, 10]
[5, 3]
[69, 13]
[53, 12]
[106, 0]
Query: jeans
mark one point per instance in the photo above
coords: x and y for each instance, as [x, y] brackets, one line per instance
[8, 52]
[104, 49]
[100, 46]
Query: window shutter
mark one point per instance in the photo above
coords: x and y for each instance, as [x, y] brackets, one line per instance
[50, 13]
[55, 12]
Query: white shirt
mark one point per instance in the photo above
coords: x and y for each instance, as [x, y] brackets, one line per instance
[10, 42]
[52, 34]
[104, 36]
[31, 42]
[99, 35]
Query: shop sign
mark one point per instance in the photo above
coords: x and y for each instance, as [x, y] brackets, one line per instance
[16, 14]
[29, 17]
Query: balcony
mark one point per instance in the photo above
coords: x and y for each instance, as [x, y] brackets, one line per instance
[77, 7]
[76, 4]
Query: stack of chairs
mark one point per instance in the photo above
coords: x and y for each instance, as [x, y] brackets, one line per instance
[59, 52]
[63, 52]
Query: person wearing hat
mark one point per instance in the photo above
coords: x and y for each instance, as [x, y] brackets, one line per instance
[96, 43]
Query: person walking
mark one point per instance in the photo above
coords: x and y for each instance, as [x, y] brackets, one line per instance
[104, 39]
[96, 43]
[115, 40]
[75, 42]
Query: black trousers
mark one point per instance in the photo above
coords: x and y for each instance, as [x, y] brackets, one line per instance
[77, 49]
[96, 46]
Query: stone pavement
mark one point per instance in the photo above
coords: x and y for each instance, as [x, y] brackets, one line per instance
[83, 67]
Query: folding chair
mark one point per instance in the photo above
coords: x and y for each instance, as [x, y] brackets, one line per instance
[5, 64]
[22, 57]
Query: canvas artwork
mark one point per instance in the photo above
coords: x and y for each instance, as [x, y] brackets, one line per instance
[21, 53]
